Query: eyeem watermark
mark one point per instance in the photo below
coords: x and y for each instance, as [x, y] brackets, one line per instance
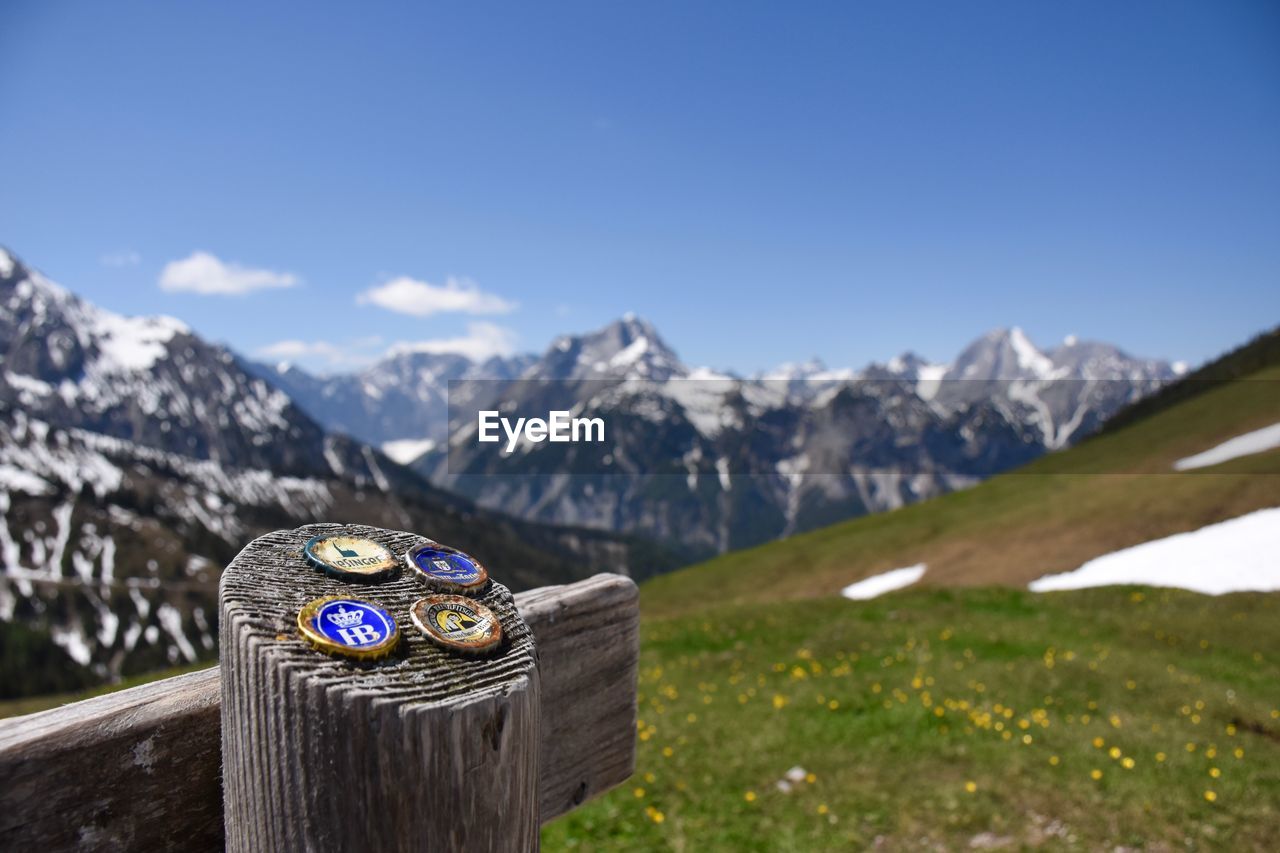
[558, 426]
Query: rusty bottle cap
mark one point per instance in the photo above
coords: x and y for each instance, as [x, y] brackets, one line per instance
[457, 623]
[351, 558]
[447, 569]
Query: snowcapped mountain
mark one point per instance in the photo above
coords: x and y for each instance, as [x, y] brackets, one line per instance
[754, 458]
[627, 349]
[718, 462]
[401, 405]
[1002, 354]
[146, 379]
[398, 404]
[1065, 393]
[137, 459]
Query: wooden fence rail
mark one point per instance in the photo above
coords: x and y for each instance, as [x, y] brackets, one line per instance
[140, 769]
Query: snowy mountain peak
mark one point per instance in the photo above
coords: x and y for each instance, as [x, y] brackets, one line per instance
[110, 342]
[628, 329]
[1080, 359]
[628, 348]
[143, 379]
[791, 371]
[1002, 354]
[1029, 357]
[909, 365]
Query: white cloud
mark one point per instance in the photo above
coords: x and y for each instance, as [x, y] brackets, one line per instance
[201, 272]
[348, 354]
[122, 258]
[298, 349]
[482, 341]
[406, 295]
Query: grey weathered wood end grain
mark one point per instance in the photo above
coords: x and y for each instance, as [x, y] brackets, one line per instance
[425, 750]
[139, 769]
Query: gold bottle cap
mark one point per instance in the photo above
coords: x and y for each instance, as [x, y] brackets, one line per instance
[349, 627]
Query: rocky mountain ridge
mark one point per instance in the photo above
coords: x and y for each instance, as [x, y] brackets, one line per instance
[765, 456]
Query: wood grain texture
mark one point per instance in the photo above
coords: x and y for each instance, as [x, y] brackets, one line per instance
[140, 768]
[589, 638]
[425, 750]
[134, 770]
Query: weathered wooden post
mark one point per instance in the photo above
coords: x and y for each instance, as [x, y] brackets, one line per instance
[140, 769]
[426, 749]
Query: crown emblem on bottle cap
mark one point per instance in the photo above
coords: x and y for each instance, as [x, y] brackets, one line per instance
[348, 627]
[345, 618]
[446, 569]
[351, 558]
[457, 623]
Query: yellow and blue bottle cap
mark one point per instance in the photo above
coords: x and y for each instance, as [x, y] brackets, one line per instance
[446, 569]
[348, 627]
[351, 558]
[457, 623]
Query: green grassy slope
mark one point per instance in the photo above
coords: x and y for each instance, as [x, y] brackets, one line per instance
[932, 717]
[1050, 516]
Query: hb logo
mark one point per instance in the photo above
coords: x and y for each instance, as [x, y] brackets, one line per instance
[351, 627]
[360, 635]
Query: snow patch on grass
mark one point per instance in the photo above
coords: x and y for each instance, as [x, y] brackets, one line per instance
[1258, 441]
[880, 584]
[1232, 556]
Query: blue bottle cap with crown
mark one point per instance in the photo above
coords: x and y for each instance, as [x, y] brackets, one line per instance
[348, 627]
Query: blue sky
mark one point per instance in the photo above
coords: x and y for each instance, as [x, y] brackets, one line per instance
[765, 182]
